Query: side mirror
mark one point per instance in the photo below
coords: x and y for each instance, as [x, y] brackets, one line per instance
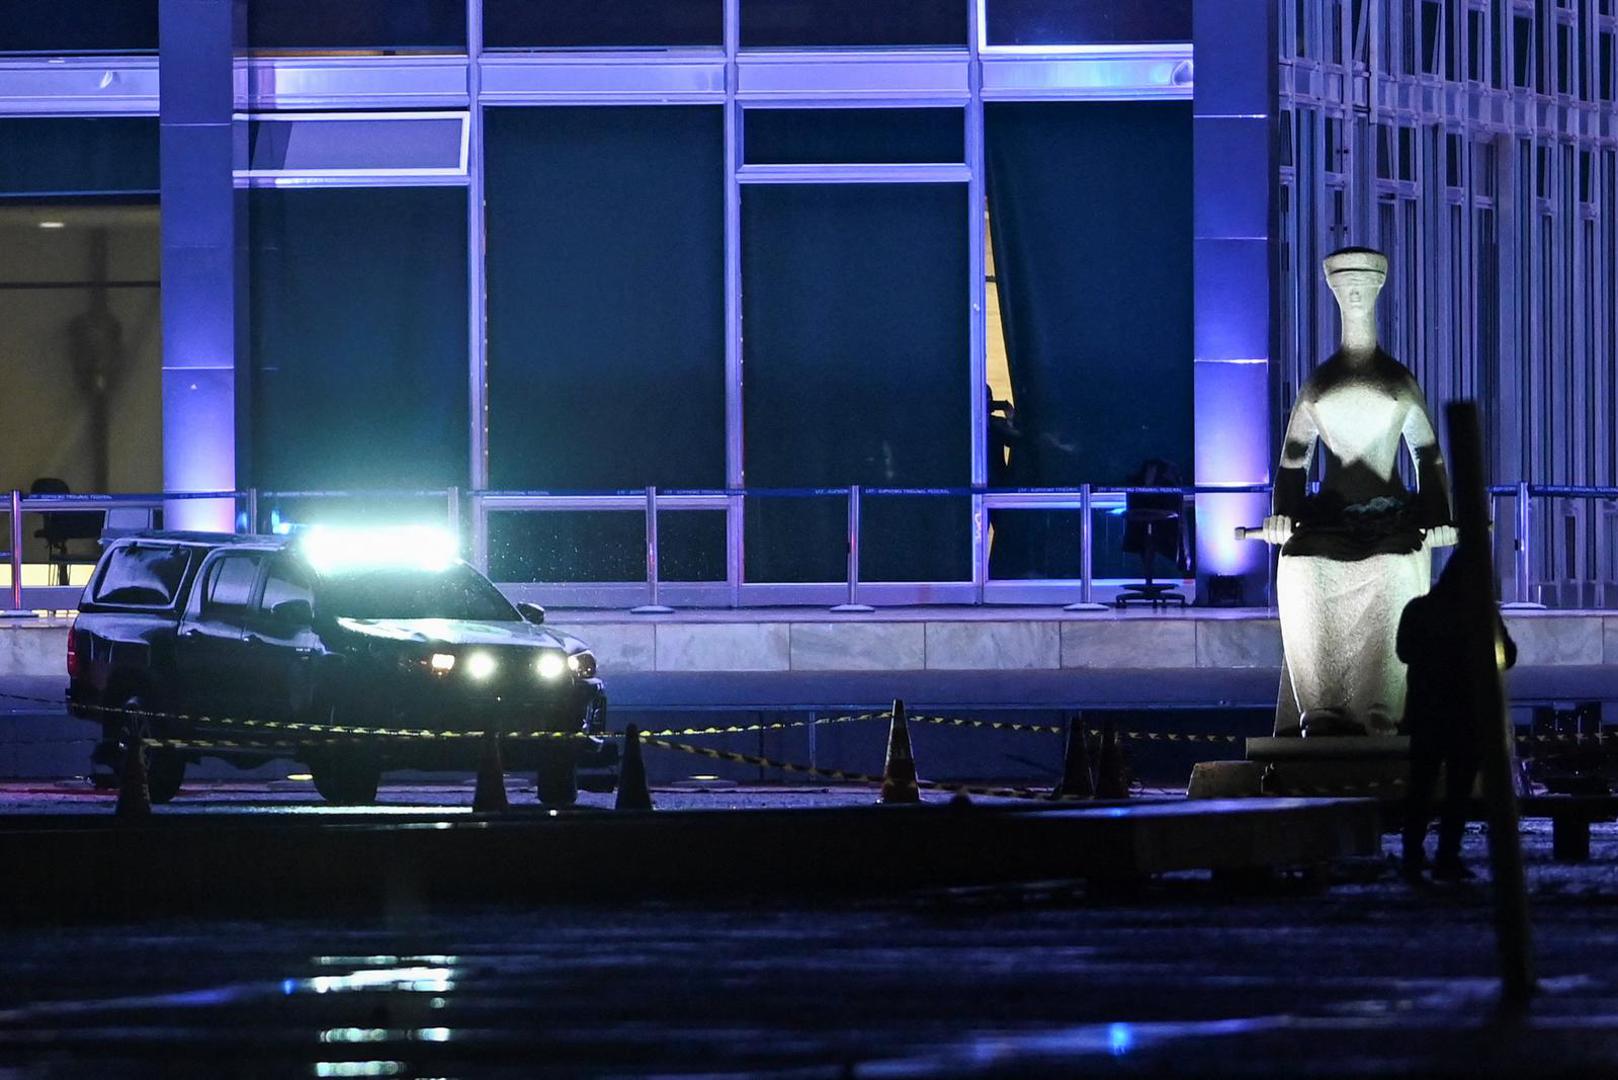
[530, 611]
[293, 613]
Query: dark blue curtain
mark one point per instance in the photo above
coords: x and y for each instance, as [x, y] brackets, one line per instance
[427, 25]
[817, 23]
[88, 156]
[606, 328]
[854, 305]
[78, 26]
[1087, 22]
[358, 344]
[819, 136]
[596, 24]
[1090, 208]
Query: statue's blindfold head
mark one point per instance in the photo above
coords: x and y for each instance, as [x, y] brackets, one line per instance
[1356, 259]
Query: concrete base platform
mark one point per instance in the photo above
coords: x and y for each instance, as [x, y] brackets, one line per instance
[1330, 748]
[82, 867]
[1376, 766]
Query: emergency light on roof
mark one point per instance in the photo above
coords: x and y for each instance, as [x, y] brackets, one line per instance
[421, 547]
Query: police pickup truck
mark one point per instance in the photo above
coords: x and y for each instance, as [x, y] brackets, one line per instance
[186, 636]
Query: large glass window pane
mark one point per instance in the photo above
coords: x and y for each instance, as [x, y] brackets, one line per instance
[606, 300]
[604, 545]
[796, 23]
[79, 26]
[822, 136]
[599, 24]
[384, 25]
[854, 301]
[81, 345]
[358, 337]
[1090, 206]
[606, 306]
[80, 324]
[1054, 534]
[1087, 22]
[567, 546]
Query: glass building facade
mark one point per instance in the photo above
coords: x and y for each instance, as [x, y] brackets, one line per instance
[534, 260]
[537, 259]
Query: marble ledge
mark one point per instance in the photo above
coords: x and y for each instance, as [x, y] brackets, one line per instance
[859, 646]
[1128, 643]
[723, 647]
[1561, 640]
[993, 646]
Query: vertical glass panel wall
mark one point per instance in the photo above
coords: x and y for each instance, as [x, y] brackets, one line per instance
[357, 344]
[854, 304]
[80, 326]
[1090, 220]
[606, 324]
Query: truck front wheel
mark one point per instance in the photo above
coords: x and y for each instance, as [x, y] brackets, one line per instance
[558, 775]
[345, 776]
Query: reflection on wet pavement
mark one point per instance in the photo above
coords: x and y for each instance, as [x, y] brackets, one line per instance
[1368, 978]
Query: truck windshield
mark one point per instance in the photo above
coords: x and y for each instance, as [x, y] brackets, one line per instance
[459, 592]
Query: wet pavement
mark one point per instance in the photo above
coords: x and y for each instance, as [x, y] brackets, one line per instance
[440, 796]
[1366, 977]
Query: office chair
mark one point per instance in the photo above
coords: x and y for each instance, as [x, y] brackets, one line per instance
[1154, 524]
[63, 527]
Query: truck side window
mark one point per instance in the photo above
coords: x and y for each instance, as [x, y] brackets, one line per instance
[230, 586]
[286, 581]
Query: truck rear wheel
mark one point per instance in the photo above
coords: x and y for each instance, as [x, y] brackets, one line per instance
[165, 767]
[345, 776]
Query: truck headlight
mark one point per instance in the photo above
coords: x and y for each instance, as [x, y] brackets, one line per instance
[582, 664]
[441, 663]
[480, 665]
[550, 665]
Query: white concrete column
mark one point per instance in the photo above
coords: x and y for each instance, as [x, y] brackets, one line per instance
[1233, 126]
[195, 51]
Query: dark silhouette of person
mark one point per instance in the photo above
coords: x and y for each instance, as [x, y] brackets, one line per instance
[1009, 554]
[1441, 715]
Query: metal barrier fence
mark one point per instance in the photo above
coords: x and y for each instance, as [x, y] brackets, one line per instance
[1577, 526]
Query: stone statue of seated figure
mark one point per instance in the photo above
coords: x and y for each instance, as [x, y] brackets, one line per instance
[1355, 553]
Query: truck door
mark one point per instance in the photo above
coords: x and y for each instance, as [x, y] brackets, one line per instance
[282, 647]
[208, 652]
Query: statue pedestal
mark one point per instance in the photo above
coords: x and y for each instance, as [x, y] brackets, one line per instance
[1369, 765]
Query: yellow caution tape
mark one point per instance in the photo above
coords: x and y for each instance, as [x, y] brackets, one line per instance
[1055, 729]
[362, 731]
[302, 727]
[864, 778]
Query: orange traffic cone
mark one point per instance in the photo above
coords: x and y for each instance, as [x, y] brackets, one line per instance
[899, 773]
[633, 794]
[490, 796]
[1112, 773]
[134, 796]
[1077, 781]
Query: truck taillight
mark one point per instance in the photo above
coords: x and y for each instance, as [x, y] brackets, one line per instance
[73, 650]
